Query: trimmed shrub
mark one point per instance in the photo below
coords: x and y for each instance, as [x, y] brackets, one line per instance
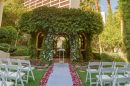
[21, 51]
[8, 35]
[7, 48]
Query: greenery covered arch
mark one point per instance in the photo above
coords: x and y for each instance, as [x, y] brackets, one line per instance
[50, 20]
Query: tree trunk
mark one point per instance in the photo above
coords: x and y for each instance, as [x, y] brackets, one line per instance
[1, 10]
[123, 49]
[99, 41]
[97, 6]
[109, 5]
[89, 55]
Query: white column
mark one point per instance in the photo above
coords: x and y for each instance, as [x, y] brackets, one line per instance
[1, 10]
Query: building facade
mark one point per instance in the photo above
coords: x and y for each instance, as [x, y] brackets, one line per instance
[32, 4]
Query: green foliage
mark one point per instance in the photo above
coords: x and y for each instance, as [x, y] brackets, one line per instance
[61, 20]
[52, 20]
[124, 6]
[8, 34]
[7, 47]
[13, 9]
[111, 36]
[88, 5]
[21, 51]
[108, 57]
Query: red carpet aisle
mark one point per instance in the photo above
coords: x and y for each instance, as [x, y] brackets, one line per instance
[60, 75]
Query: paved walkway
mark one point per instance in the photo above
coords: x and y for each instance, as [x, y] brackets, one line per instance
[61, 76]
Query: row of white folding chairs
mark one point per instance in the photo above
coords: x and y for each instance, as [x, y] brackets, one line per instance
[93, 68]
[11, 74]
[113, 77]
[25, 66]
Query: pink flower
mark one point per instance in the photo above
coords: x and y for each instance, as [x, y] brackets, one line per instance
[45, 78]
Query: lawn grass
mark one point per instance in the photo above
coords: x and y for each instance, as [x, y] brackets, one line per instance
[82, 75]
[38, 75]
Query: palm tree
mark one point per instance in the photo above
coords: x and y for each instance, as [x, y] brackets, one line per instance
[109, 5]
[1, 10]
[97, 5]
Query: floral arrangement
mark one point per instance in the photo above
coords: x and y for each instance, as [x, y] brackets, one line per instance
[46, 76]
[75, 78]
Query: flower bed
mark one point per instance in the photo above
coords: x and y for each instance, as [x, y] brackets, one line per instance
[75, 78]
[46, 76]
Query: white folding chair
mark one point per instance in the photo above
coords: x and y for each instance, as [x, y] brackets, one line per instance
[121, 77]
[3, 81]
[25, 66]
[15, 75]
[105, 76]
[5, 61]
[93, 68]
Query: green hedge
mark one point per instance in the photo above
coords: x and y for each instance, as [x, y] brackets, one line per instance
[7, 47]
[21, 51]
[8, 35]
[107, 57]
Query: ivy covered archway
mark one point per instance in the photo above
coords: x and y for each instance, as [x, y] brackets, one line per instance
[50, 21]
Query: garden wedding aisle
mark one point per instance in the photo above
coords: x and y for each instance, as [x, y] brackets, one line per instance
[60, 75]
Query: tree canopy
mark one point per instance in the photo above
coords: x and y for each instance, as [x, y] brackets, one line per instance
[61, 20]
[13, 9]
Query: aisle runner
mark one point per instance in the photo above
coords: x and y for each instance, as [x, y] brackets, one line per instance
[62, 75]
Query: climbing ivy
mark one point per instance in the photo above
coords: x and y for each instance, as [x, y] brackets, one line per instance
[51, 20]
[61, 20]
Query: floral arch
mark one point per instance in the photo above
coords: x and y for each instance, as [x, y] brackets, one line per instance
[77, 26]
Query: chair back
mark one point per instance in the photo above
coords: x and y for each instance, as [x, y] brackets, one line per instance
[14, 62]
[94, 65]
[121, 64]
[5, 60]
[108, 64]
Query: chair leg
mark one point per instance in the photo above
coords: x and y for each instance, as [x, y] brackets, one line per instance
[100, 82]
[27, 76]
[22, 84]
[118, 84]
[32, 75]
[16, 81]
[90, 79]
[97, 82]
[86, 77]
[114, 83]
